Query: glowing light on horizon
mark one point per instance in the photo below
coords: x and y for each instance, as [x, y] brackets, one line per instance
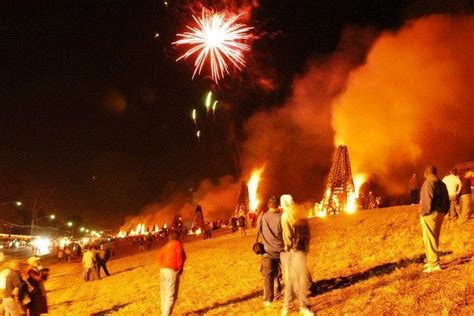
[253, 183]
[217, 40]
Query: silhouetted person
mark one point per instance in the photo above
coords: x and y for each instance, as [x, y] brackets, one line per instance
[102, 256]
[434, 205]
[413, 190]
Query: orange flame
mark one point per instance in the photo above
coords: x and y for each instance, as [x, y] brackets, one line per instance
[359, 179]
[252, 184]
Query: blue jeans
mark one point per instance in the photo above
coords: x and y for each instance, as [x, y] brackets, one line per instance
[169, 285]
[297, 280]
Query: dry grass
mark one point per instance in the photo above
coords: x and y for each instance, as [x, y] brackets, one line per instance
[365, 264]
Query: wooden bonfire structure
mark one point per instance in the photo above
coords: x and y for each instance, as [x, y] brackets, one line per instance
[340, 184]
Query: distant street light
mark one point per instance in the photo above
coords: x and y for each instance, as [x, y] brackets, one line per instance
[82, 229]
[69, 224]
[87, 230]
[52, 216]
[18, 203]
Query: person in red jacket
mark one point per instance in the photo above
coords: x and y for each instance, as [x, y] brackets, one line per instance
[171, 259]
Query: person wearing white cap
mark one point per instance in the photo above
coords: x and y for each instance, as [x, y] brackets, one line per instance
[36, 277]
[296, 238]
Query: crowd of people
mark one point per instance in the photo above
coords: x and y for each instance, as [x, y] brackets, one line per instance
[24, 291]
[283, 237]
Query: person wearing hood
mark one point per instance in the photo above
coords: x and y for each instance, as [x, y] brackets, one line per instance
[36, 277]
[296, 237]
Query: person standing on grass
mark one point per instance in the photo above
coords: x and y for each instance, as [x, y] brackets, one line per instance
[11, 294]
[413, 190]
[36, 277]
[88, 263]
[453, 184]
[269, 228]
[171, 259]
[102, 257]
[466, 197]
[242, 222]
[296, 237]
[434, 205]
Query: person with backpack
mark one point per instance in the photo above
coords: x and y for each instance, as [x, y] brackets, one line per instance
[269, 228]
[296, 237]
[434, 205]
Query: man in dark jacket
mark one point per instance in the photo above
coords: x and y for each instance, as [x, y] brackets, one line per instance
[36, 277]
[269, 227]
[102, 256]
[434, 205]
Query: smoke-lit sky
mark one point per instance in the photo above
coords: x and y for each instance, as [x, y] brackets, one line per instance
[95, 108]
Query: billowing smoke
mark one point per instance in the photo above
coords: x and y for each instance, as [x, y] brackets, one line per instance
[399, 101]
[217, 200]
[295, 141]
[412, 102]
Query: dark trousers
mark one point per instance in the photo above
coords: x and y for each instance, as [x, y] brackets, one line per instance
[414, 196]
[103, 265]
[271, 272]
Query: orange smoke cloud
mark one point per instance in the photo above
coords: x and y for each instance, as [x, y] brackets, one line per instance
[409, 104]
[412, 102]
[296, 140]
[217, 201]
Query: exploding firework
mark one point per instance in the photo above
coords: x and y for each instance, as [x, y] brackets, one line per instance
[217, 39]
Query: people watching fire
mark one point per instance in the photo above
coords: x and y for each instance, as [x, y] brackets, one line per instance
[296, 237]
[12, 305]
[37, 293]
[89, 264]
[466, 197]
[453, 183]
[242, 222]
[269, 228]
[413, 190]
[101, 257]
[171, 259]
[434, 205]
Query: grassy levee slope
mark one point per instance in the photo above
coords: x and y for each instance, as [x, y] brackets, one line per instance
[367, 263]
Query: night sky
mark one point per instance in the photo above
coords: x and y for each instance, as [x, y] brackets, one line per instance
[95, 109]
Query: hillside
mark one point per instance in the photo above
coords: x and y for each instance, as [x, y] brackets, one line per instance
[368, 263]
